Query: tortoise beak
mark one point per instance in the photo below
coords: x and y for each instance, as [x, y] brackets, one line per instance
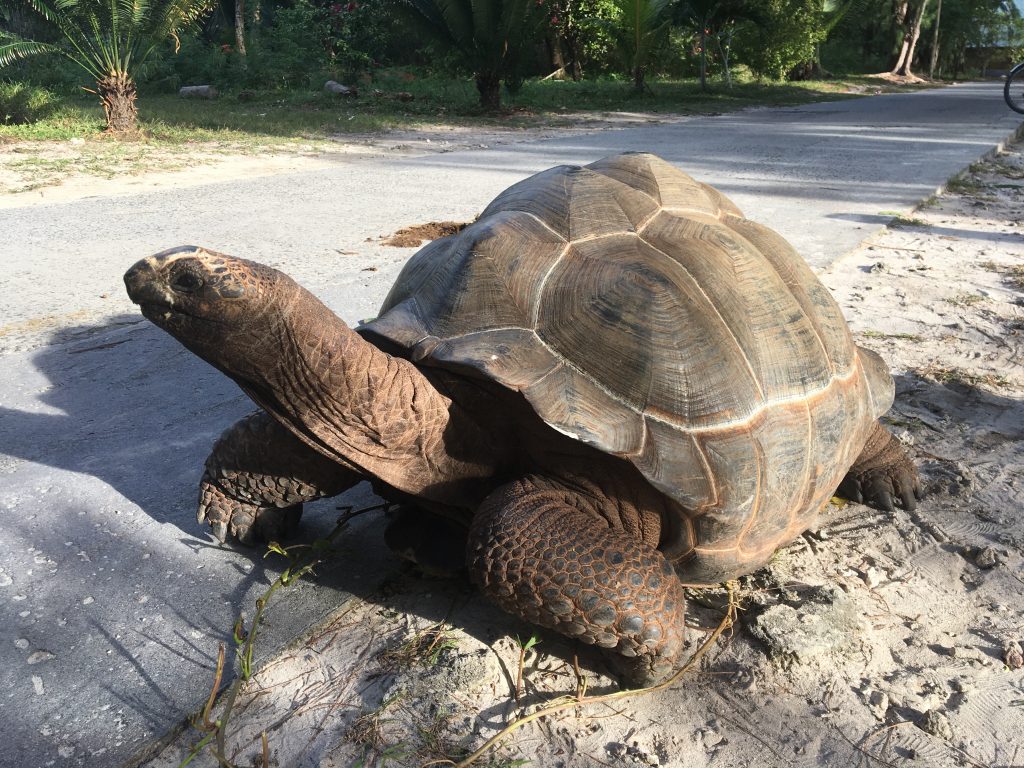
[140, 281]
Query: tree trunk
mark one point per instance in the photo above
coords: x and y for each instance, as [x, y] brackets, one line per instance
[638, 79]
[240, 26]
[724, 53]
[703, 57]
[117, 94]
[935, 42]
[488, 85]
[913, 34]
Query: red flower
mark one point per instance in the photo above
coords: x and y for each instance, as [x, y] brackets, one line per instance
[225, 49]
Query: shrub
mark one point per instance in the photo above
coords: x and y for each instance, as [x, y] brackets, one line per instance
[21, 104]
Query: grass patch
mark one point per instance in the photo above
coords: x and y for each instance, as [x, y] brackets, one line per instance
[22, 104]
[1013, 274]
[423, 648]
[907, 221]
[951, 375]
[882, 335]
[965, 299]
[300, 116]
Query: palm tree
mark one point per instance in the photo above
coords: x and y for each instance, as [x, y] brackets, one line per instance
[489, 38]
[109, 39]
[641, 29]
[714, 20]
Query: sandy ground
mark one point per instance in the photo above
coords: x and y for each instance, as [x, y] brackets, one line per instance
[876, 640]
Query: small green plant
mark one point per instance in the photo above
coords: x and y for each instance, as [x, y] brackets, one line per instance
[524, 648]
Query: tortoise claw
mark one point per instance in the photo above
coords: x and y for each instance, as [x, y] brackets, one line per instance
[879, 491]
[220, 531]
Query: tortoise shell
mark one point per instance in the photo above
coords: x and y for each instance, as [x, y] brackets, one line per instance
[639, 312]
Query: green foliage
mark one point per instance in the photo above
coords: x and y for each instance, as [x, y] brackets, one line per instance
[786, 34]
[639, 33]
[111, 40]
[294, 50]
[103, 37]
[21, 104]
[486, 38]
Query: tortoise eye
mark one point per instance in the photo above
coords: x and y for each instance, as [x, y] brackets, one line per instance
[186, 282]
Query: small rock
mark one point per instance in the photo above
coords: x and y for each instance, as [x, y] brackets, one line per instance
[197, 92]
[936, 723]
[1013, 656]
[987, 558]
[711, 738]
[872, 577]
[341, 90]
[38, 657]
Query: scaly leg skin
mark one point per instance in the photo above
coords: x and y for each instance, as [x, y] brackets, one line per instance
[539, 556]
[257, 477]
[882, 472]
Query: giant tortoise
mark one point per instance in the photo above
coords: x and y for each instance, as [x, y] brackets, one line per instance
[612, 383]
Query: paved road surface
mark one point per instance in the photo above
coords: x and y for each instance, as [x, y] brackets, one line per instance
[111, 600]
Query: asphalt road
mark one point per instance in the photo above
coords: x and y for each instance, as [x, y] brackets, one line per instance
[112, 600]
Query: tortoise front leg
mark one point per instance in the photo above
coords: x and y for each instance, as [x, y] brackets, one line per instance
[257, 477]
[535, 551]
[882, 472]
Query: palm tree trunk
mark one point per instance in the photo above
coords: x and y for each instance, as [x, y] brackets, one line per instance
[117, 94]
[638, 79]
[488, 85]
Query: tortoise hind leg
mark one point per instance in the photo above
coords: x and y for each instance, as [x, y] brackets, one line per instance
[257, 477]
[537, 552]
[882, 472]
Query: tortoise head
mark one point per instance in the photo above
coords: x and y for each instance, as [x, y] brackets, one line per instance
[229, 311]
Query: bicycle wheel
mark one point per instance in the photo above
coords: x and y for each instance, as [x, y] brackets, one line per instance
[1013, 90]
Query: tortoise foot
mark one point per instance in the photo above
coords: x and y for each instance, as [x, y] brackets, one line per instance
[536, 552]
[883, 474]
[248, 523]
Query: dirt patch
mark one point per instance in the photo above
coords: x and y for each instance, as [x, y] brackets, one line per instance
[413, 237]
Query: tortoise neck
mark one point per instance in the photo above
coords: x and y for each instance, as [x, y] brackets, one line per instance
[371, 411]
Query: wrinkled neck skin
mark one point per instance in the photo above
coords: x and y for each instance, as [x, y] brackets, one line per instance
[370, 411]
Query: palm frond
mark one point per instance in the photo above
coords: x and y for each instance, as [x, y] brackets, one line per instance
[13, 49]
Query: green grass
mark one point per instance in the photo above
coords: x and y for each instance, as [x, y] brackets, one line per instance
[275, 118]
[64, 135]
